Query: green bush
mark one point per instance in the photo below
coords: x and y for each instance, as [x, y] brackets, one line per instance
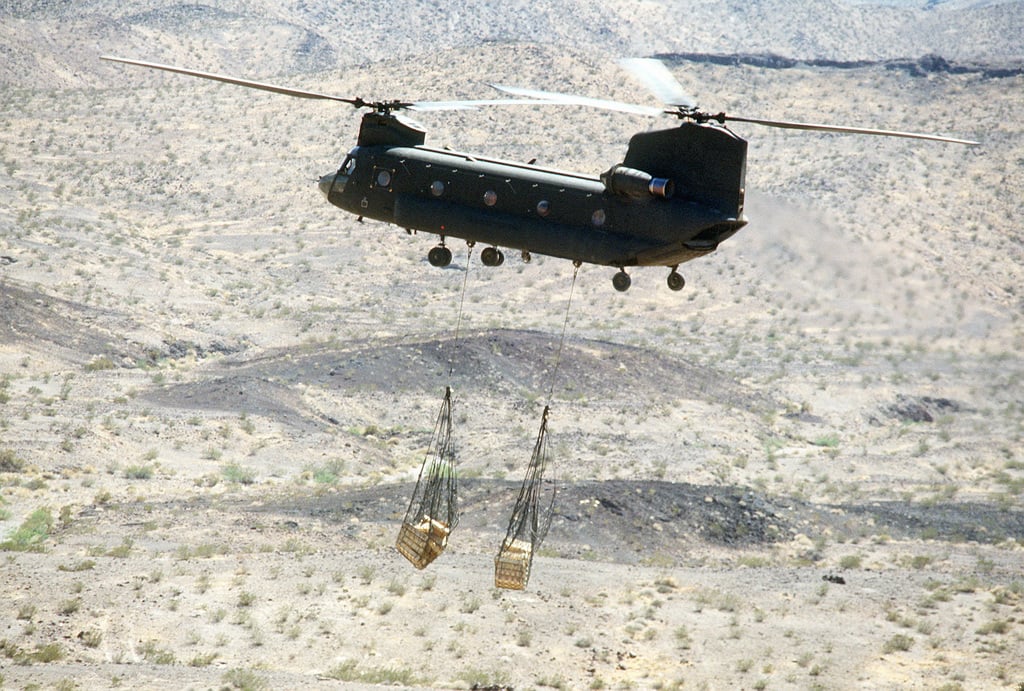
[138, 472]
[99, 363]
[237, 474]
[898, 643]
[30, 535]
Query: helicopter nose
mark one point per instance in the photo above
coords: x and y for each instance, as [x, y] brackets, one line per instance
[325, 184]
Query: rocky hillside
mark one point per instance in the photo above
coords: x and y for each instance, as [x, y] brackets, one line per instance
[216, 390]
[46, 44]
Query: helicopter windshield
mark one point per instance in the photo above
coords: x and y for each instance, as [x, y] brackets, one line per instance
[334, 184]
[348, 166]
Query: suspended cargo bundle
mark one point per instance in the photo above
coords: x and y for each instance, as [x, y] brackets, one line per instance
[531, 518]
[433, 509]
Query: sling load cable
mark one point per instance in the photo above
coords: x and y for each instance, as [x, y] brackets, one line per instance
[462, 302]
[565, 324]
[433, 510]
[530, 520]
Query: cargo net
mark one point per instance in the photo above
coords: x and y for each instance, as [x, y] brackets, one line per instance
[531, 518]
[433, 509]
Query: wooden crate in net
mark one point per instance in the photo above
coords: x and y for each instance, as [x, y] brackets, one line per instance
[512, 565]
[423, 542]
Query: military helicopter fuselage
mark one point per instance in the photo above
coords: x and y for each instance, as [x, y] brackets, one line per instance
[676, 196]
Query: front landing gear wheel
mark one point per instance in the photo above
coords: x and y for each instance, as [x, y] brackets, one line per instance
[676, 280]
[439, 256]
[621, 281]
[492, 256]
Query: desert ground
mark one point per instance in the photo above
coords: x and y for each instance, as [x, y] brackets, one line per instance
[806, 470]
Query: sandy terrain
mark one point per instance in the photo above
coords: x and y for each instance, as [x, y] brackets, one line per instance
[804, 471]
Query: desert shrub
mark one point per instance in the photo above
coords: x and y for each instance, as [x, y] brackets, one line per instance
[350, 671]
[69, 607]
[138, 472]
[850, 561]
[202, 660]
[10, 462]
[898, 643]
[99, 363]
[237, 474]
[30, 535]
[998, 626]
[48, 653]
[92, 638]
[84, 565]
[244, 679]
[328, 473]
[154, 654]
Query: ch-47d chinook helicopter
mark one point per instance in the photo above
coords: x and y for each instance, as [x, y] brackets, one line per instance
[677, 194]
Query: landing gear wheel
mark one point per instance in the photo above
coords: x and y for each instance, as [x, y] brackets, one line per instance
[439, 256]
[676, 280]
[621, 281]
[492, 256]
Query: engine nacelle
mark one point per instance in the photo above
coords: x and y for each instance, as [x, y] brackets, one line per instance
[630, 182]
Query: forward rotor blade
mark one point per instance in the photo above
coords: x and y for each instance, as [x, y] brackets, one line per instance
[659, 81]
[298, 93]
[573, 100]
[471, 105]
[845, 130]
[301, 93]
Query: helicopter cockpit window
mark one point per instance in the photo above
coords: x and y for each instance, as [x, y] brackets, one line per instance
[335, 184]
[348, 166]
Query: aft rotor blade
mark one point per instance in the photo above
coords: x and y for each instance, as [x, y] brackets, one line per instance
[844, 130]
[573, 100]
[298, 93]
[659, 81]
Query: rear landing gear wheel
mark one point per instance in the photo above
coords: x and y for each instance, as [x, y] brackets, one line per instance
[676, 280]
[439, 256]
[621, 281]
[492, 256]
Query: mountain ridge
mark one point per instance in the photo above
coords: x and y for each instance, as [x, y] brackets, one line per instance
[310, 37]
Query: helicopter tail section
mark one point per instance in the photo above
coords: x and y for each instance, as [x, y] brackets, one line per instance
[707, 164]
